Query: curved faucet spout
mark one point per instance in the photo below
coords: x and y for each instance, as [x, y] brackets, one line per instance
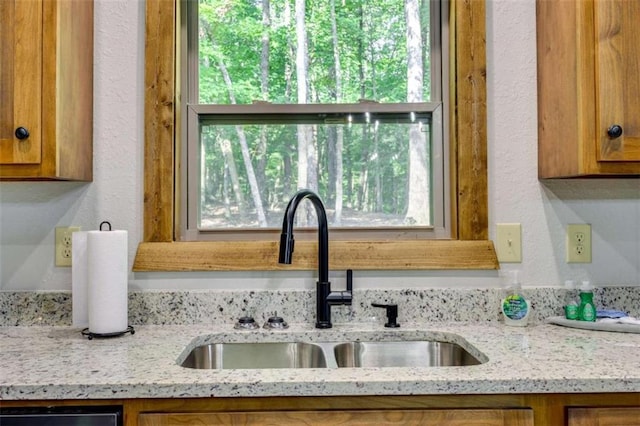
[286, 238]
[324, 297]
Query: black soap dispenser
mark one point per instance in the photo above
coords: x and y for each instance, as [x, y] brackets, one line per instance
[392, 314]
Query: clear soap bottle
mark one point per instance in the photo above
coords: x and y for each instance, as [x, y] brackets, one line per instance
[515, 308]
[571, 304]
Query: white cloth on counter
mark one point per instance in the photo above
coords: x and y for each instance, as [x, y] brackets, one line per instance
[611, 324]
[621, 320]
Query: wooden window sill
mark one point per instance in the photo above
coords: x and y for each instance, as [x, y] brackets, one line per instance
[359, 255]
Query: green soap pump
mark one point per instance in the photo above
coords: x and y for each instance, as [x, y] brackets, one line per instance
[587, 309]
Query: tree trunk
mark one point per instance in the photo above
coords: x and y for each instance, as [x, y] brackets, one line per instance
[253, 183]
[337, 219]
[264, 56]
[225, 192]
[230, 165]
[291, 50]
[305, 149]
[203, 174]
[261, 149]
[349, 176]
[358, 196]
[418, 203]
[425, 22]
[364, 168]
[377, 173]
[289, 186]
[335, 178]
[361, 58]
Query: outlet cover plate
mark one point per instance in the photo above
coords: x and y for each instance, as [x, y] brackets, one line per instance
[63, 244]
[578, 243]
[509, 242]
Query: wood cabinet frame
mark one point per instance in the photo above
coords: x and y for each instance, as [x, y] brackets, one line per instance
[569, 133]
[548, 409]
[65, 95]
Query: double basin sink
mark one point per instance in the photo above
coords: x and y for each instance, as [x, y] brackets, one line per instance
[262, 355]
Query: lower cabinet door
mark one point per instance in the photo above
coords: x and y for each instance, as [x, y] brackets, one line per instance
[441, 417]
[623, 416]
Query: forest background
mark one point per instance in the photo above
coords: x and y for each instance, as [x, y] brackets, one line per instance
[370, 169]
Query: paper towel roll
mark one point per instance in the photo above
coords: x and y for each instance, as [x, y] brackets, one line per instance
[79, 280]
[108, 281]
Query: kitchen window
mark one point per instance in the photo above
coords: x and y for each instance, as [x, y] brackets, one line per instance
[465, 248]
[343, 98]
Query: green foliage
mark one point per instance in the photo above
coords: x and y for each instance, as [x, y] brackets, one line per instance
[371, 48]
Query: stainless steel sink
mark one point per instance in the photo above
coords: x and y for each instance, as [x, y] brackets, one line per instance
[262, 355]
[256, 355]
[402, 354]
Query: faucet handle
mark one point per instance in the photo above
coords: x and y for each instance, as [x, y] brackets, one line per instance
[392, 314]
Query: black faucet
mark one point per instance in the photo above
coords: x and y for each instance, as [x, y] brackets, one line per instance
[325, 298]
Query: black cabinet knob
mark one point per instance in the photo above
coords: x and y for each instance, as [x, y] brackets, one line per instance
[614, 131]
[21, 133]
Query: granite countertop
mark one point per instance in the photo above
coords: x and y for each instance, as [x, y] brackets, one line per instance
[59, 363]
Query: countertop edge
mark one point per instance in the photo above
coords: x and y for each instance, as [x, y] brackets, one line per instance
[539, 359]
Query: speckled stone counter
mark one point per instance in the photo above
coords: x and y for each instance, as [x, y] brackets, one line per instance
[177, 307]
[59, 363]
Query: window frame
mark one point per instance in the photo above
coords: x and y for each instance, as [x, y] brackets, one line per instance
[195, 112]
[439, 228]
[468, 247]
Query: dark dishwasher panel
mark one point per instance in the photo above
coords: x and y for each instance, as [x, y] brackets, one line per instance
[62, 416]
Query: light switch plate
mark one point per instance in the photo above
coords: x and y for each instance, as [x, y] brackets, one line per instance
[509, 242]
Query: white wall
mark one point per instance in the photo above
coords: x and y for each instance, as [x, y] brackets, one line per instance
[29, 212]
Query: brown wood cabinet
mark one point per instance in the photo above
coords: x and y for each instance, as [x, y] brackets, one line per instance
[620, 409]
[451, 417]
[622, 416]
[46, 101]
[588, 88]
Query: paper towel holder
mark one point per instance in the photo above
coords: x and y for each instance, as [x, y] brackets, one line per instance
[91, 335]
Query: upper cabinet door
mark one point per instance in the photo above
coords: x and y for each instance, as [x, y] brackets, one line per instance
[46, 90]
[588, 88]
[618, 79]
[20, 81]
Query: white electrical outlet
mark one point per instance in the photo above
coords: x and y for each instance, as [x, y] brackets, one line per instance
[579, 243]
[63, 245]
[509, 242]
